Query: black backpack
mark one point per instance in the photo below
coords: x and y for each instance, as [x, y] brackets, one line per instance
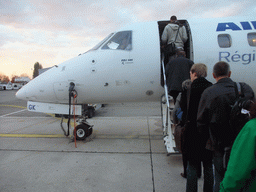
[238, 118]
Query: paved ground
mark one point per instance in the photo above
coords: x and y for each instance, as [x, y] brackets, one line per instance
[125, 152]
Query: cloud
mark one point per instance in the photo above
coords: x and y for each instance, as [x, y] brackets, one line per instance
[53, 31]
[102, 16]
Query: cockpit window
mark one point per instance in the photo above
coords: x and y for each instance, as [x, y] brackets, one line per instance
[120, 41]
[101, 43]
[224, 40]
[251, 39]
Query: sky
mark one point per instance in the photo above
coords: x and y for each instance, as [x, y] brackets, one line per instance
[51, 31]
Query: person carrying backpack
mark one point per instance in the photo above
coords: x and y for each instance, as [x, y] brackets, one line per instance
[214, 114]
[241, 170]
[173, 38]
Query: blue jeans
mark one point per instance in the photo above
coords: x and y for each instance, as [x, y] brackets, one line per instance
[192, 173]
[219, 171]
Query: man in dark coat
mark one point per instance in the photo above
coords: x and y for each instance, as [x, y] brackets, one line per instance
[213, 115]
[193, 143]
[177, 71]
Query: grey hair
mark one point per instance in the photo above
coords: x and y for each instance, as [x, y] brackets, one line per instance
[200, 69]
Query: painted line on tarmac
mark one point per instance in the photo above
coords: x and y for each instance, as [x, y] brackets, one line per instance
[16, 106]
[13, 113]
[36, 117]
[32, 135]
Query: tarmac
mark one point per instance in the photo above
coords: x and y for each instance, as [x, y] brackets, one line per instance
[125, 153]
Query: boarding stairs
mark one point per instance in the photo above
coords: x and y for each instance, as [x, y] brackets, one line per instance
[167, 106]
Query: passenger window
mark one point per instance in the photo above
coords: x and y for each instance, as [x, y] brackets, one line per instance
[224, 40]
[251, 39]
[120, 41]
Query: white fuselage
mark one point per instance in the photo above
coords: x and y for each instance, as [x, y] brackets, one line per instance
[105, 75]
[108, 74]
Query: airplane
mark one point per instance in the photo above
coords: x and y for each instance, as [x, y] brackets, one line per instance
[127, 66]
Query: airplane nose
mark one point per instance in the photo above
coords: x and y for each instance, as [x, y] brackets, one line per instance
[21, 94]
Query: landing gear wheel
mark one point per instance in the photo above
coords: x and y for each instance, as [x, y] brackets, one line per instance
[83, 131]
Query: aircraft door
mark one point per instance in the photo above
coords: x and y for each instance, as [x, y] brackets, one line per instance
[188, 45]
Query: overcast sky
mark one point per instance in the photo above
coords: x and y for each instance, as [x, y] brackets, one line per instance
[50, 32]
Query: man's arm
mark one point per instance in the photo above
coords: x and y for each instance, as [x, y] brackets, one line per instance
[184, 34]
[202, 113]
[203, 120]
[248, 92]
[164, 35]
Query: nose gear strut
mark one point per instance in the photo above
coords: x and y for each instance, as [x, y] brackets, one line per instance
[84, 129]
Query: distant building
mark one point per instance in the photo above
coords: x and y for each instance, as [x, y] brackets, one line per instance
[21, 80]
[6, 86]
[17, 84]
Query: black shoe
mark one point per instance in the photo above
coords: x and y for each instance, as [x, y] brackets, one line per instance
[183, 175]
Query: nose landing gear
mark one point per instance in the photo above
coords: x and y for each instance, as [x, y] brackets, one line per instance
[82, 131]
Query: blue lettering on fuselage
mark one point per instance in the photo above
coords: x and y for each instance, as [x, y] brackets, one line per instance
[234, 27]
[245, 58]
[32, 107]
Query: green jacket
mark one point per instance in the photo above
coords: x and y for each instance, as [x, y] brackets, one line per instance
[241, 170]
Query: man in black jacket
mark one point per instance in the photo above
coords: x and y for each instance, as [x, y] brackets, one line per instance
[213, 115]
[193, 147]
[177, 71]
